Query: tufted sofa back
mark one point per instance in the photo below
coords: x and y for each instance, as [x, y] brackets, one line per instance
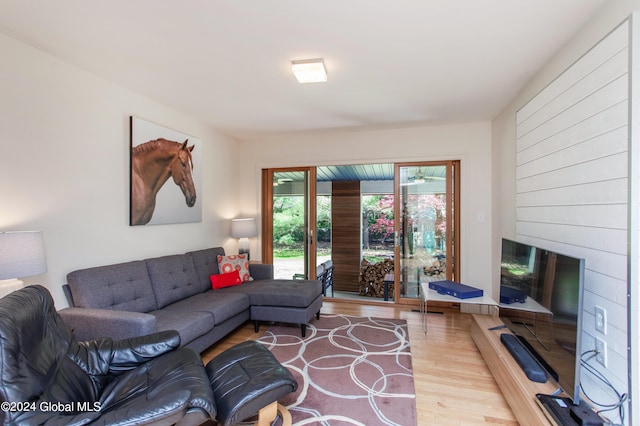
[123, 287]
[143, 285]
[173, 278]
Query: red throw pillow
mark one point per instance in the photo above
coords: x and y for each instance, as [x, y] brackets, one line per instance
[225, 280]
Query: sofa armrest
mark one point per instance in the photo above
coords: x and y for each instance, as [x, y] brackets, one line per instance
[261, 271]
[91, 324]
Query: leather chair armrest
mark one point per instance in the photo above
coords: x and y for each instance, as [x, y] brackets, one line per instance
[91, 324]
[261, 271]
[129, 353]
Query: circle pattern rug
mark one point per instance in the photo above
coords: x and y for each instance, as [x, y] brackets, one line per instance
[350, 371]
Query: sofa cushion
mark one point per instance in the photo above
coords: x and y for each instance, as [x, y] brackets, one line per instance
[206, 264]
[189, 324]
[173, 278]
[219, 304]
[123, 287]
[290, 293]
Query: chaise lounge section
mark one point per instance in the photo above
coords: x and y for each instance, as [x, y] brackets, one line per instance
[174, 292]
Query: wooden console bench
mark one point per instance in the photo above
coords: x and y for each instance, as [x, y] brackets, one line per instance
[517, 389]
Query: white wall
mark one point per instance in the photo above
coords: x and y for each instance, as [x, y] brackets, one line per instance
[64, 167]
[470, 143]
[64, 163]
[504, 142]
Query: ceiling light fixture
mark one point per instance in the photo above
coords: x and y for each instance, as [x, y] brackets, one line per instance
[309, 70]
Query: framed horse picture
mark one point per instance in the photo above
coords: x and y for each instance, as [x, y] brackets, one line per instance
[165, 175]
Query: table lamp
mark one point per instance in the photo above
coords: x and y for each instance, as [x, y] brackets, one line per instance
[21, 255]
[243, 229]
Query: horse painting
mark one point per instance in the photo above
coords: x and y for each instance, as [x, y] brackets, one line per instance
[152, 163]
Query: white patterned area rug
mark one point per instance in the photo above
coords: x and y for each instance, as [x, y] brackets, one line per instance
[350, 371]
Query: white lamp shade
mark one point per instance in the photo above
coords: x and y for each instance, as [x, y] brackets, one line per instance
[243, 228]
[21, 254]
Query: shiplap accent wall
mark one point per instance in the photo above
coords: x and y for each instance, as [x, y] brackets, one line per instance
[572, 188]
[634, 218]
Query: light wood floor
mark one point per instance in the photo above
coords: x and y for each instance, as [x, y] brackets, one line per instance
[453, 384]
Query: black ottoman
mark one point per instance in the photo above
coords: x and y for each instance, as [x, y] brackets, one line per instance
[247, 380]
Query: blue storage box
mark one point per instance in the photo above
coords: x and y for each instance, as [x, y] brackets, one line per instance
[510, 295]
[455, 289]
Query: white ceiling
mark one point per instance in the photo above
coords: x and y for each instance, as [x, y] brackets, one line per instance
[227, 62]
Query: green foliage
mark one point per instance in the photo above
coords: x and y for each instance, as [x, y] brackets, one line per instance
[323, 220]
[288, 253]
[289, 225]
[288, 221]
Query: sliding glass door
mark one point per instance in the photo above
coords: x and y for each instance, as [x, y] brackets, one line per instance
[385, 227]
[288, 232]
[426, 210]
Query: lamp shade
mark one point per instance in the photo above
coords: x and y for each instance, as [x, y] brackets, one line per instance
[21, 254]
[243, 228]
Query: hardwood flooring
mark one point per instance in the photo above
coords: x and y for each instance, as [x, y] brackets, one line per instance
[453, 384]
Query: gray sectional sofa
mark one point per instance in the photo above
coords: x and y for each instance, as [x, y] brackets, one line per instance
[174, 293]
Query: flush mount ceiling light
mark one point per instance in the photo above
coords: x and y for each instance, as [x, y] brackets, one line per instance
[309, 70]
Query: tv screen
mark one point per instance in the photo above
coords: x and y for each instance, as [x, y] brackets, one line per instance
[541, 301]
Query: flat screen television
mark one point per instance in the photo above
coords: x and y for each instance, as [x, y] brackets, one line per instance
[547, 315]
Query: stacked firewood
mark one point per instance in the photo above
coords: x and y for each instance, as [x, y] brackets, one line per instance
[438, 269]
[372, 277]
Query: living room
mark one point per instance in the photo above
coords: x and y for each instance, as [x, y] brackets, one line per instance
[65, 166]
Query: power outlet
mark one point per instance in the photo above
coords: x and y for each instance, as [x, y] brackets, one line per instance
[601, 351]
[601, 319]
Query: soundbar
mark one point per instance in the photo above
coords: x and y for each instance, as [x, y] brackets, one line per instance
[541, 360]
[523, 357]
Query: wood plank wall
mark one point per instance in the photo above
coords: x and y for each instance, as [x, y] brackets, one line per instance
[572, 186]
[345, 235]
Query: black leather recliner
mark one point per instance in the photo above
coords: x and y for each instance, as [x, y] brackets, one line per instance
[48, 378]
